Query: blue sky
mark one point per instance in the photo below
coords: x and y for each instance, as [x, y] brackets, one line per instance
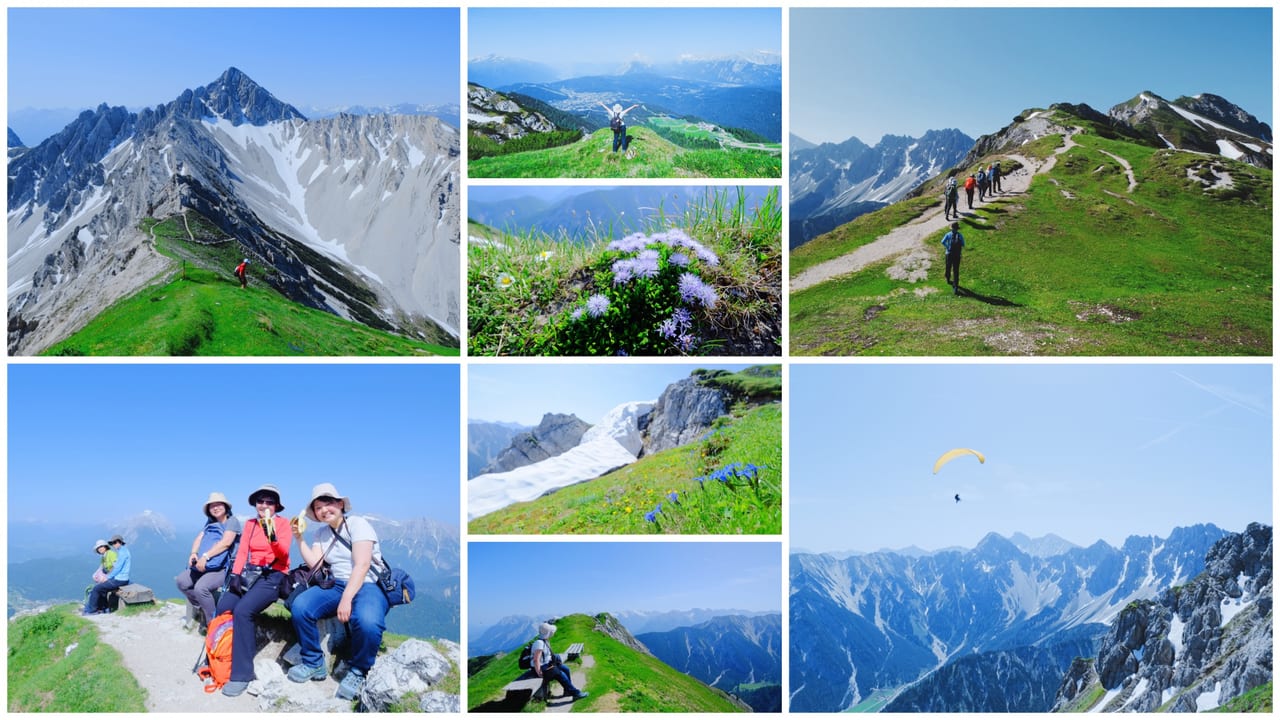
[524, 392]
[1087, 452]
[867, 72]
[97, 442]
[595, 577]
[321, 57]
[565, 37]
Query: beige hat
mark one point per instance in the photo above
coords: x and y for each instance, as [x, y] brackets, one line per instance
[115, 539]
[326, 490]
[100, 543]
[216, 497]
[546, 630]
[266, 488]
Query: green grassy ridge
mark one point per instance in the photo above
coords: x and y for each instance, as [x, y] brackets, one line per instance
[622, 679]
[44, 676]
[1257, 700]
[1170, 269]
[616, 503]
[200, 310]
[652, 157]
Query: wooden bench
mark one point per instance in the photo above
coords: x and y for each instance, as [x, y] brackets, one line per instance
[573, 652]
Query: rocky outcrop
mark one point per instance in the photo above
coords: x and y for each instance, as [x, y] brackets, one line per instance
[609, 625]
[684, 412]
[499, 118]
[554, 435]
[1194, 647]
[415, 667]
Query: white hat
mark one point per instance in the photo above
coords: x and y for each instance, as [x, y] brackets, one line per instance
[216, 497]
[100, 543]
[546, 630]
[326, 490]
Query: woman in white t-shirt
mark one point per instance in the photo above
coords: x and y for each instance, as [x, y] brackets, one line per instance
[349, 545]
[547, 665]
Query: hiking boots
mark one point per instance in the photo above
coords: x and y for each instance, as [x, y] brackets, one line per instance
[302, 673]
[234, 688]
[351, 684]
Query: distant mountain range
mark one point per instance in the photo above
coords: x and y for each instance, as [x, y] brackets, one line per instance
[428, 550]
[739, 654]
[890, 630]
[604, 213]
[485, 440]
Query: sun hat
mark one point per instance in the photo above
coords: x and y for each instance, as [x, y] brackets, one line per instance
[617, 107]
[266, 488]
[216, 497]
[326, 490]
[546, 630]
[100, 543]
[115, 539]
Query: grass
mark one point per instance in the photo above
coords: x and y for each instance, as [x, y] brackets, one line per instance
[1170, 269]
[652, 157]
[624, 501]
[202, 311]
[622, 679]
[524, 289]
[57, 664]
[1257, 700]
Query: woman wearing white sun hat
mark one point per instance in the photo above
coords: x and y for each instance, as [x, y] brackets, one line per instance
[210, 556]
[349, 544]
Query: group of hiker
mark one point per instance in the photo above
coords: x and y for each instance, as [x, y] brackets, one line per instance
[986, 182]
[239, 569]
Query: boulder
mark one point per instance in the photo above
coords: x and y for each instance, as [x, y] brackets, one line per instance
[684, 413]
[414, 667]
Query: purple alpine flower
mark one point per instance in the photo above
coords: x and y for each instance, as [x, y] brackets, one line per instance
[679, 259]
[596, 305]
[623, 271]
[645, 267]
[629, 244]
[693, 289]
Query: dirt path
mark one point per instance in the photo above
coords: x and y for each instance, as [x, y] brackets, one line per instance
[913, 235]
[1128, 169]
[160, 655]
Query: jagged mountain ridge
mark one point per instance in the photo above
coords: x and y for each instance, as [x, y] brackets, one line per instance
[354, 215]
[834, 183]
[727, 652]
[1195, 647]
[485, 440]
[878, 621]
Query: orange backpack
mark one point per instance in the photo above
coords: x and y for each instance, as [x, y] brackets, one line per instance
[216, 670]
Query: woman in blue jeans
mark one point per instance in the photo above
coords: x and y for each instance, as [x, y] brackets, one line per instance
[350, 546]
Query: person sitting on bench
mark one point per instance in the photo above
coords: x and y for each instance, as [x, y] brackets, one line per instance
[547, 665]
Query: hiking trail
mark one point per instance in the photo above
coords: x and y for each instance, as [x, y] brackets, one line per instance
[579, 677]
[913, 235]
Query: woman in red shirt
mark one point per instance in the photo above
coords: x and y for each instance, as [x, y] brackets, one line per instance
[261, 565]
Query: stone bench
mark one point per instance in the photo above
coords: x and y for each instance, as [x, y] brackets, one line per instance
[134, 594]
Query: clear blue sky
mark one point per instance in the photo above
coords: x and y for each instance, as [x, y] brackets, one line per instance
[566, 37]
[524, 392]
[109, 441]
[321, 57]
[868, 72]
[1087, 452]
[595, 577]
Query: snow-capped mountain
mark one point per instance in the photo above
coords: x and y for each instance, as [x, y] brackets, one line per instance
[1203, 123]
[14, 140]
[355, 215]
[832, 183]
[1195, 647]
[878, 622]
[613, 442]
[494, 70]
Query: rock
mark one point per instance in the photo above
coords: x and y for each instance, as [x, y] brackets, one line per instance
[555, 434]
[435, 701]
[414, 667]
[684, 412]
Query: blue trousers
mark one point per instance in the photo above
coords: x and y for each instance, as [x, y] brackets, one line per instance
[620, 139]
[560, 674]
[245, 610]
[368, 621]
[98, 595]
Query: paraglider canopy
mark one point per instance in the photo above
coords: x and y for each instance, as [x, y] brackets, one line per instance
[950, 455]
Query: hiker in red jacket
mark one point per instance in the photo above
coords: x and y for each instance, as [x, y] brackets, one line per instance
[242, 272]
[969, 184]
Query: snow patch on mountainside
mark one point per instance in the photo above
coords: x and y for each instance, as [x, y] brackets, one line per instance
[611, 443]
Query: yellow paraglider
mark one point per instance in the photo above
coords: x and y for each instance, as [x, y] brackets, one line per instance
[953, 454]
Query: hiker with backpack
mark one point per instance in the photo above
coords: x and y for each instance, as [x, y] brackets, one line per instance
[349, 545]
[617, 124]
[548, 666]
[994, 174]
[983, 183]
[207, 565]
[259, 570]
[116, 578]
[242, 273]
[953, 242]
[969, 184]
[951, 199]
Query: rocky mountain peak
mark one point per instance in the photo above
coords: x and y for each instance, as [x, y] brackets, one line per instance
[235, 97]
[609, 625]
[554, 434]
[1221, 110]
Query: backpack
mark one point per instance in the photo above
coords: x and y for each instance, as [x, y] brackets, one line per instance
[216, 670]
[526, 656]
[615, 123]
[213, 533]
[951, 184]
